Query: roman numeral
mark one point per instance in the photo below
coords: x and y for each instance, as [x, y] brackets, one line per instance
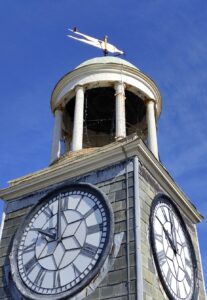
[89, 250]
[161, 257]
[188, 279]
[40, 277]
[56, 279]
[178, 290]
[169, 277]
[30, 264]
[29, 248]
[47, 211]
[164, 214]
[187, 262]
[64, 203]
[76, 270]
[79, 201]
[185, 287]
[158, 237]
[90, 211]
[94, 228]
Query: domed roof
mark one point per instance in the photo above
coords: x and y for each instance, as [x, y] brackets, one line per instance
[106, 60]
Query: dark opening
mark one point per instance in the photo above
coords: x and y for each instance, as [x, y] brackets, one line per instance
[135, 111]
[99, 109]
[99, 115]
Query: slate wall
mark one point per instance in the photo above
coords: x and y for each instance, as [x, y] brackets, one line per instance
[112, 181]
[120, 282]
[153, 290]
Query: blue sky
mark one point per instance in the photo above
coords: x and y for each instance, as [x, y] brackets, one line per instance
[167, 40]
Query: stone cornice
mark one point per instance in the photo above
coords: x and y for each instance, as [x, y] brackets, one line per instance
[103, 157]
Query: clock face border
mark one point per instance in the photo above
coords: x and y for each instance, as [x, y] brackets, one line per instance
[16, 277]
[162, 198]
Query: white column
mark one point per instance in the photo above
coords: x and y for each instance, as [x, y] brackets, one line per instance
[77, 139]
[120, 111]
[57, 131]
[151, 124]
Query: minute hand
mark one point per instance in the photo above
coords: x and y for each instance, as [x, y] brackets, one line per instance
[167, 235]
[173, 231]
[169, 239]
[59, 219]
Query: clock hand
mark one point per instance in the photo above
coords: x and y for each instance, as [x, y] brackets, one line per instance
[45, 232]
[59, 220]
[78, 220]
[169, 239]
[76, 248]
[173, 232]
[167, 235]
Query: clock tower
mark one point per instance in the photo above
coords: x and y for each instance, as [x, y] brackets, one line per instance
[104, 220]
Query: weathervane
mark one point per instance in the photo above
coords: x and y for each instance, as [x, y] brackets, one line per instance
[102, 44]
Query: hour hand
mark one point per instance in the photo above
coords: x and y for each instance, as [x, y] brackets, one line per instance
[45, 232]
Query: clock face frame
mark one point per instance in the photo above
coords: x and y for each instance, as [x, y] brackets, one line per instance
[173, 250]
[63, 242]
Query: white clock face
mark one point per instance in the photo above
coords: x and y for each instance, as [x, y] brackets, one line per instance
[63, 241]
[173, 250]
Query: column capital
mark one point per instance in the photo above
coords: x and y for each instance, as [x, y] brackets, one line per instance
[149, 100]
[79, 87]
[58, 108]
[119, 84]
[120, 88]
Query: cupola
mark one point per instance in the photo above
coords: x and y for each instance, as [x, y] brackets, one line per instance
[104, 99]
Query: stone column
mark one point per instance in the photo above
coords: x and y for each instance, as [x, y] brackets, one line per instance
[120, 111]
[77, 139]
[57, 135]
[151, 124]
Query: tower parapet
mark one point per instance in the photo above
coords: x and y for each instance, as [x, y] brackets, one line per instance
[102, 100]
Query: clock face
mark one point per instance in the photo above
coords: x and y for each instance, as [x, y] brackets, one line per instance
[63, 242]
[172, 249]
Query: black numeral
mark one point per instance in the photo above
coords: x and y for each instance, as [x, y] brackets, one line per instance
[30, 264]
[188, 263]
[79, 201]
[178, 290]
[164, 214]
[161, 257]
[76, 270]
[47, 211]
[64, 204]
[169, 277]
[40, 277]
[89, 250]
[158, 237]
[56, 279]
[188, 279]
[95, 228]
